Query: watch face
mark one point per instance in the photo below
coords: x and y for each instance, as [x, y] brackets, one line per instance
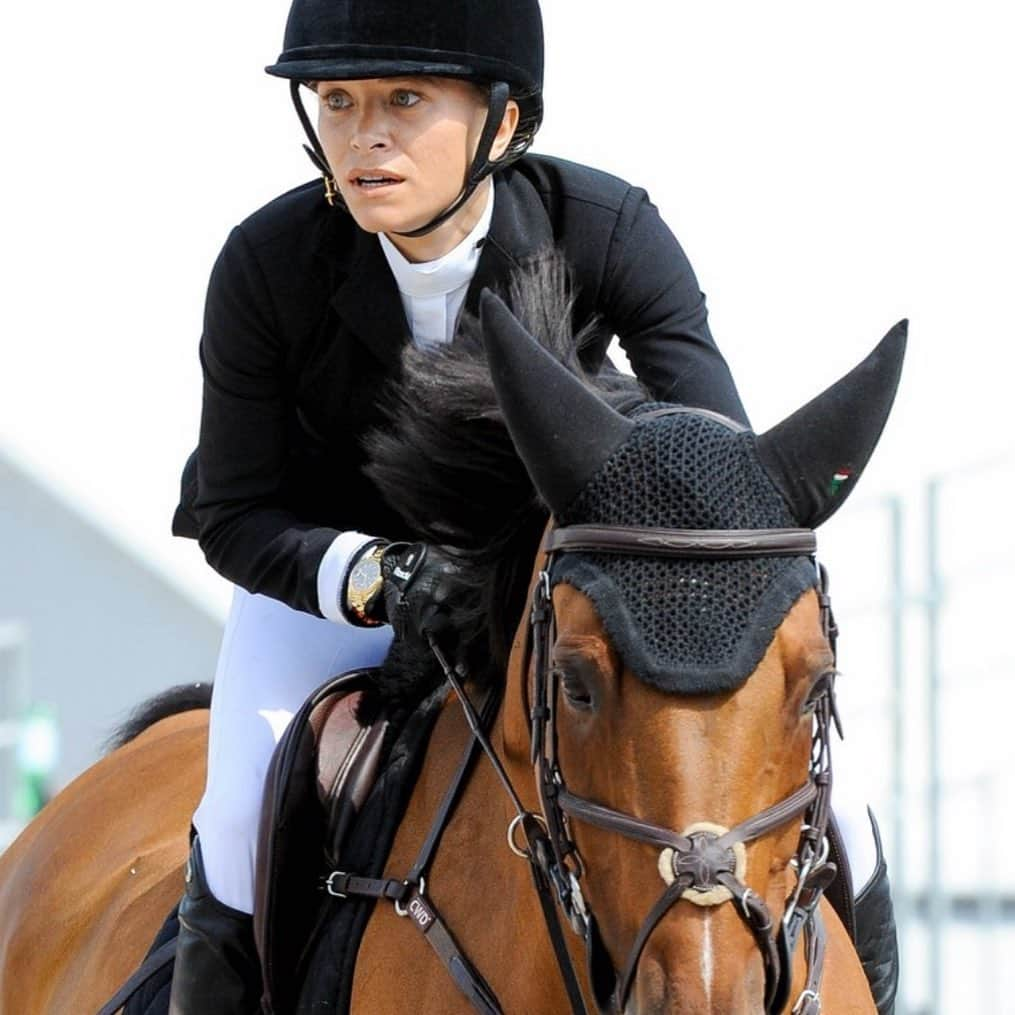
[365, 574]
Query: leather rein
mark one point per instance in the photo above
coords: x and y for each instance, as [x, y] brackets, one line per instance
[697, 863]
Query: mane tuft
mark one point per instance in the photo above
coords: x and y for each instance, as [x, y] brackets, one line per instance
[445, 462]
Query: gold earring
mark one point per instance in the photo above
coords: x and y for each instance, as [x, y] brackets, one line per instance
[330, 189]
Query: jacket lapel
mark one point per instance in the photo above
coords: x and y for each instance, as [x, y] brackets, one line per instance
[519, 229]
[368, 301]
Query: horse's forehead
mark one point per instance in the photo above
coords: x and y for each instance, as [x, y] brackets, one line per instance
[687, 626]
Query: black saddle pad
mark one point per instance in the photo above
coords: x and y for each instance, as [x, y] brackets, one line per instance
[153, 997]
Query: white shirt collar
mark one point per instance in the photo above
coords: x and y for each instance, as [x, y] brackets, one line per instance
[447, 273]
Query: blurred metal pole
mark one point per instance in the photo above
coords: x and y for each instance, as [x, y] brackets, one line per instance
[991, 906]
[13, 666]
[935, 894]
[13, 702]
[897, 869]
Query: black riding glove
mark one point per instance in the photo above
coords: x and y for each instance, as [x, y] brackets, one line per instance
[420, 580]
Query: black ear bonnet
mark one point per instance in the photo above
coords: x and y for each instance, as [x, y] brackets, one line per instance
[685, 626]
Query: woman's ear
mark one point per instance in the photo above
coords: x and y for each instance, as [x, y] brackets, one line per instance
[506, 131]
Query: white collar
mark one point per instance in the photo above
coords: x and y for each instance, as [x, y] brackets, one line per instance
[445, 274]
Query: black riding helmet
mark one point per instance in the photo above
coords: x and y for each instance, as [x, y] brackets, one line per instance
[495, 43]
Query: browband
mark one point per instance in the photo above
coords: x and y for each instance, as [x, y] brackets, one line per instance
[686, 543]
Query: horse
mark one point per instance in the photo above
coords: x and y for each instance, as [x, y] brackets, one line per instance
[86, 885]
[656, 728]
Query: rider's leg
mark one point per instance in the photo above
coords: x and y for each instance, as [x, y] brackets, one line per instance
[876, 942]
[216, 967]
[272, 658]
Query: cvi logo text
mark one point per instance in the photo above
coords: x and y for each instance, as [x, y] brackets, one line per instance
[419, 912]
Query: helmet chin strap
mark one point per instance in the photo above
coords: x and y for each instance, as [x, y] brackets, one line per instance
[481, 166]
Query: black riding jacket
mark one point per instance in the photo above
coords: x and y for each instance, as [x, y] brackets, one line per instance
[304, 324]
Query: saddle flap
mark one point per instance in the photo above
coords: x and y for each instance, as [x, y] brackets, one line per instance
[348, 759]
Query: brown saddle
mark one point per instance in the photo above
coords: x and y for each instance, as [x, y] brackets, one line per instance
[319, 778]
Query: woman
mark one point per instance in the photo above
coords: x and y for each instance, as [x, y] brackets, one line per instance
[425, 111]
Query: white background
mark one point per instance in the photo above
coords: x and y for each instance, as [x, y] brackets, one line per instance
[829, 168]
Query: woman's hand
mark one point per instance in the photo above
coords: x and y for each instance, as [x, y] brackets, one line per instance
[419, 582]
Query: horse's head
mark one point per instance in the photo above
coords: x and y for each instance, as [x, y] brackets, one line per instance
[680, 666]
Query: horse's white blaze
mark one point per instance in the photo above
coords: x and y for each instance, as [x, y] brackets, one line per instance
[706, 958]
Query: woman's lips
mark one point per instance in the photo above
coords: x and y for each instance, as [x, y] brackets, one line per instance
[373, 180]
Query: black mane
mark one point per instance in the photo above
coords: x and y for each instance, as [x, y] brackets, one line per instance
[446, 464]
[182, 698]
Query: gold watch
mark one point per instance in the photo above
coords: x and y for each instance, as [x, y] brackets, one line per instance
[363, 586]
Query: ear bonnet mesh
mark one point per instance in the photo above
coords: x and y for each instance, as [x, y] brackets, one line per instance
[686, 626]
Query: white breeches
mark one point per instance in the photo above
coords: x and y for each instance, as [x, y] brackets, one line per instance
[272, 658]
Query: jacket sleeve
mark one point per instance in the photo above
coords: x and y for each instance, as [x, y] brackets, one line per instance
[651, 300]
[244, 529]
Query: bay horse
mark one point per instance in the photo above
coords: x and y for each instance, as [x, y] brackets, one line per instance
[663, 724]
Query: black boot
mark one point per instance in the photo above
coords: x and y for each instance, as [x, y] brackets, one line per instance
[876, 941]
[217, 969]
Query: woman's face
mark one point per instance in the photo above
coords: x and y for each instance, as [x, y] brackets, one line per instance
[400, 147]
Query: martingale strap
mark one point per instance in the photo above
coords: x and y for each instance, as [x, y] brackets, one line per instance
[409, 894]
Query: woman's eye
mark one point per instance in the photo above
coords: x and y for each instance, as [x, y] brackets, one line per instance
[337, 100]
[403, 97]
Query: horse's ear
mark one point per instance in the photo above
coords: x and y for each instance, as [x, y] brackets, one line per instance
[816, 455]
[562, 431]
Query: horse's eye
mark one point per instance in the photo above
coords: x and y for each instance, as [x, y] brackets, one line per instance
[818, 690]
[574, 688]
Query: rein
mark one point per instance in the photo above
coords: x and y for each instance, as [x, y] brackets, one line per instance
[704, 864]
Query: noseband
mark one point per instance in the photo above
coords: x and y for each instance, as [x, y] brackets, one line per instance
[699, 864]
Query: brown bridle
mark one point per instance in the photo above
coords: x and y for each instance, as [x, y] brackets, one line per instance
[701, 860]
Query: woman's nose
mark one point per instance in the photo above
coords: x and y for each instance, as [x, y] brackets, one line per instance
[369, 133]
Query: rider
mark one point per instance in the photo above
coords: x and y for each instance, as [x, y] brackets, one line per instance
[425, 112]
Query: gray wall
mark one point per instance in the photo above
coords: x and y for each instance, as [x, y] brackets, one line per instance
[103, 630]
